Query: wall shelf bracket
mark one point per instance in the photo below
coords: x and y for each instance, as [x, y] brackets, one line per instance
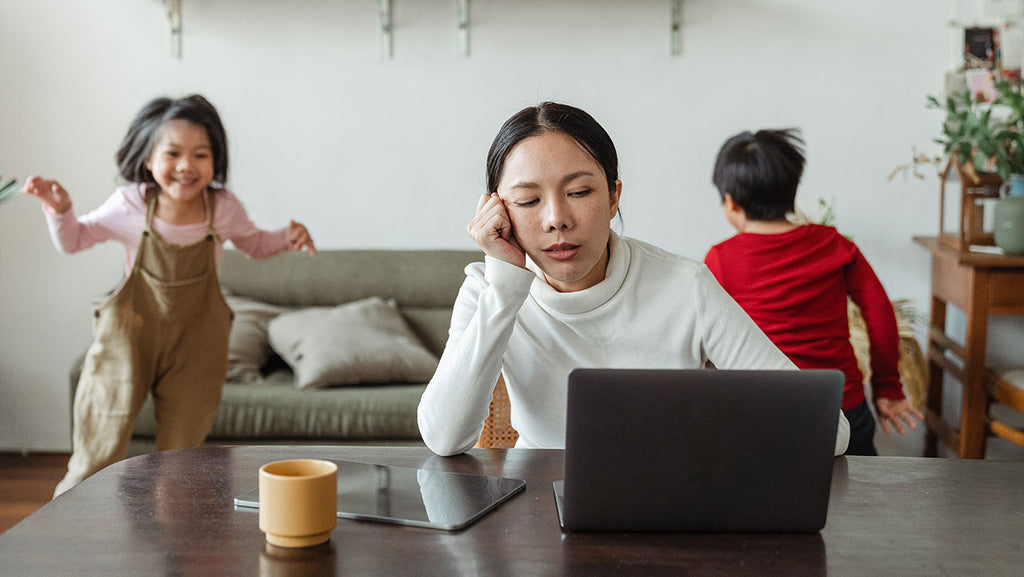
[462, 11]
[677, 27]
[174, 17]
[384, 14]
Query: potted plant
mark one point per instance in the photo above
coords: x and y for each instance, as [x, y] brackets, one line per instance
[979, 140]
[1010, 133]
[1008, 213]
[985, 145]
[968, 134]
[9, 190]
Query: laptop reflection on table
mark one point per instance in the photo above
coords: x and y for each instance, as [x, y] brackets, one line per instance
[698, 450]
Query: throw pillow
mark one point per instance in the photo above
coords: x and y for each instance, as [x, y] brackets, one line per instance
[248, 348]
[364, 341]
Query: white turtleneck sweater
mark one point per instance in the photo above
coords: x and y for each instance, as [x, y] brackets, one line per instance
[653, 309]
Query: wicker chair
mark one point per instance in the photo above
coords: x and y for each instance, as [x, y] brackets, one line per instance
[1006, 388]
[912, 366]
[498, 432]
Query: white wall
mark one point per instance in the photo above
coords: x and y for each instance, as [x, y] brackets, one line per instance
[389, 154]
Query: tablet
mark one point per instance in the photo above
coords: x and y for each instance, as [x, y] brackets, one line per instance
[410, 496]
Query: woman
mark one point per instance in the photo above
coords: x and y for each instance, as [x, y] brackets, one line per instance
[559, 290]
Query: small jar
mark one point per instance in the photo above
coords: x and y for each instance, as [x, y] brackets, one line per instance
[1008, 224]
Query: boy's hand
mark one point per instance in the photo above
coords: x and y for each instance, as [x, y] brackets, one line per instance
[53, 195]
[491, 228]
[298, 238]
[895, 410]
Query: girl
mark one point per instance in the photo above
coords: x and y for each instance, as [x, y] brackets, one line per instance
[559, 290]
[165, 330]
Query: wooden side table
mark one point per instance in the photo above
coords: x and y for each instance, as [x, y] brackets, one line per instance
[980, 285]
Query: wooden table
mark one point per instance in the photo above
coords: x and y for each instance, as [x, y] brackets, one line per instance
[171, 513]
[979, 285]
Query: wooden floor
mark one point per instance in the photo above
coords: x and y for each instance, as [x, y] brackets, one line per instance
[27, 483]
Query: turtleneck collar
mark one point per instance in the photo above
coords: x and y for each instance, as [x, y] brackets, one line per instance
[579, 302]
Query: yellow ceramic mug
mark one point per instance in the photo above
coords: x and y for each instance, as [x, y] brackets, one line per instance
[298, 501]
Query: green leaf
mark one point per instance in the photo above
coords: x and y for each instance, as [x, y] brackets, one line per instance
[1003, 168]
[8, 191]
[964, 153]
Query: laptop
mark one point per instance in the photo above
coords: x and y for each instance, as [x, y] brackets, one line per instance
[699, 450]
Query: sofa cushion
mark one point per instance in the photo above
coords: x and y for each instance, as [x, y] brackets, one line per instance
[430, 325]
[424, 283]
[366, 341]
[248, 348]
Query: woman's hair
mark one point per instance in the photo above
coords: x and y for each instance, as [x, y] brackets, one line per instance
[552, 117]
[761, 171]
[138, 143]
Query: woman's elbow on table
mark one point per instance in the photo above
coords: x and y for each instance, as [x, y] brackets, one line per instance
[441, 442]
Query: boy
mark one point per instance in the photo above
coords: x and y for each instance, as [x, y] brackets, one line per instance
[794, 280]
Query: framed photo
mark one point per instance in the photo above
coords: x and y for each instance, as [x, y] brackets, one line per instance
[980, 48]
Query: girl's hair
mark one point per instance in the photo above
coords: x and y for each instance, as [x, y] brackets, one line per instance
[138, 143]
[761, 171]
[552, 117]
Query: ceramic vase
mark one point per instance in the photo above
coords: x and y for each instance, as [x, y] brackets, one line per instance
[1008, 223]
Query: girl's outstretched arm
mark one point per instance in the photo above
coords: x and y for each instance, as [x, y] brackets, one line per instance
[298, 238]
[115, 219]
[54, 197]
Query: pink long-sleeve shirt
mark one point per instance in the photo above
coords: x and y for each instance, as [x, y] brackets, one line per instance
[122, 218]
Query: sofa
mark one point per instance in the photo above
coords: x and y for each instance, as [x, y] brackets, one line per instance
[385, 311]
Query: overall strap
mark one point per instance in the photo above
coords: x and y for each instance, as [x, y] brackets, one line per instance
[150, 207]
[212, 206]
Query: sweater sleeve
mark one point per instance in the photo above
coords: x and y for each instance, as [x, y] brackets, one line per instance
[454, 405]
[883, 335]
[233, 224]
[116, 219]
[733, 341]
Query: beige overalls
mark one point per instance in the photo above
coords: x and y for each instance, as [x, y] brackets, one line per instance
[165, 332]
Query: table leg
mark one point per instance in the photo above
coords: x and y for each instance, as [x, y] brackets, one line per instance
[974, 403]
[933, 399]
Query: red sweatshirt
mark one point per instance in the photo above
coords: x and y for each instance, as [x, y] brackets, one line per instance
[794, 285]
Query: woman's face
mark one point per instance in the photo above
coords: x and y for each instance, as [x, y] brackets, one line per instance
[557, 198]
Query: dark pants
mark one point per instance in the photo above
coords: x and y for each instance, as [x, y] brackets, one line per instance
[862, 431]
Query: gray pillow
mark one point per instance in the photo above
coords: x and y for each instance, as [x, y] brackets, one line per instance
[248, 348]
[364, 341]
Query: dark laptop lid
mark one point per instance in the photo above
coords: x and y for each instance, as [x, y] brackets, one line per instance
[699, 450]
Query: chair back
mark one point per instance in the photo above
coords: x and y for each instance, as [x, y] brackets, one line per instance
[498, 432]
[1006, 388]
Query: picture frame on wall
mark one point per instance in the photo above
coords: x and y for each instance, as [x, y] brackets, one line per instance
[980, 47]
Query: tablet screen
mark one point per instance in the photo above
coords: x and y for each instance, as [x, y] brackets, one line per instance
[409, 496]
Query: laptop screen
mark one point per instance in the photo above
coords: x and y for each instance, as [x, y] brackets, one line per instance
[699, 450]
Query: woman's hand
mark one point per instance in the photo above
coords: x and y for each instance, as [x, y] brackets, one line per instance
[892, 411]
[298, 238]
[54, 197]
[491, 228]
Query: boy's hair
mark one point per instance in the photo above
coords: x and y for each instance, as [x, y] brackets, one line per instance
[552, 117]
[137, 145]
[761, 171]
